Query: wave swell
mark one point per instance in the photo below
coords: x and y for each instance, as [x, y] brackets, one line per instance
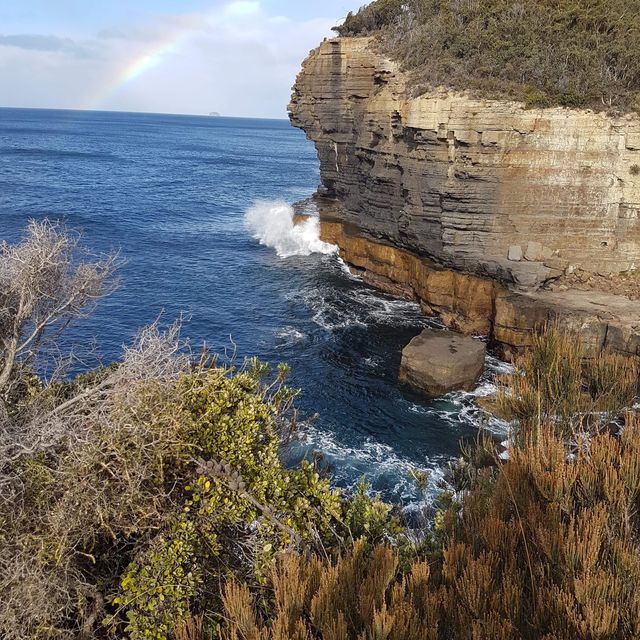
[271, 223]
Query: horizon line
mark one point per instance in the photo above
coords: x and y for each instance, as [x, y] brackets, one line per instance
[150, 113]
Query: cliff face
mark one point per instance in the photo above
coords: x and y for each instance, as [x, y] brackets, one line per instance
[471, 183]
[481, 306]
[471, 205]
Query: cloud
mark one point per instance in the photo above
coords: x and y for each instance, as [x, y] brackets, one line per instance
[242, 8]
[239, 59]
[48, 43]
[112, 34]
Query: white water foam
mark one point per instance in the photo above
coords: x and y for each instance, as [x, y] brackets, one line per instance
[380, 464]
[461, 408]
[333, 309]
[290, 335]
[326, 304]
[271, 223]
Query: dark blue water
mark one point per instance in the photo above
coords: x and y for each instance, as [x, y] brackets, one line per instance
[170, 193]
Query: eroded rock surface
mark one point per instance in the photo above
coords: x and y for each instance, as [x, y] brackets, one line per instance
[473, 305]
[461, 180]
[480, 209]
[437, 362]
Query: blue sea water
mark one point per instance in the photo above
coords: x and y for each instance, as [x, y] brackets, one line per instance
[171, 193]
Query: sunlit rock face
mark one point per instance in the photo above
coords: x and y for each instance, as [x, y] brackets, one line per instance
[438, 362]
[483, 186]
[475, 305]
[473, 206]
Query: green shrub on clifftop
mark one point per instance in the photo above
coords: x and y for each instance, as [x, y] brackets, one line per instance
[542, 52]
[129, 495]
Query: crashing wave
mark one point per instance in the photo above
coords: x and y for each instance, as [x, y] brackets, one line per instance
[272, 224]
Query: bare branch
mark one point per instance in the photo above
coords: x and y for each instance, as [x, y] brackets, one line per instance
[46, 281]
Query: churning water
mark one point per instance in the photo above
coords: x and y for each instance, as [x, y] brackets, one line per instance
[199, 209]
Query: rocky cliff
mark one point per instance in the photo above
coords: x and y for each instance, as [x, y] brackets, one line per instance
[470, 205]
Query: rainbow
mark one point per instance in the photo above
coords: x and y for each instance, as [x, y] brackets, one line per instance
[159, 50]
[143, 62]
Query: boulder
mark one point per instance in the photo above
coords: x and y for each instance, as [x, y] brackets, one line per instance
[515, 253]
[534, 252]
[437, 362]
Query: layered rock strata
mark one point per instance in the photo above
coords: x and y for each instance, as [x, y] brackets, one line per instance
[470, 182]
[473, 305]
[473, 206]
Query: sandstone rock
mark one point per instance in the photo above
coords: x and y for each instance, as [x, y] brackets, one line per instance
[463, 301]
[515, 253]
[428, 196]
[547, 254]
[599, 319]
[529, 275]
[437, 362]
[460, 180]
[479, 306]
[556, 263]
[534, 252]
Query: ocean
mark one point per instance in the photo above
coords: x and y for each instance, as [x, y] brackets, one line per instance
[199, 210]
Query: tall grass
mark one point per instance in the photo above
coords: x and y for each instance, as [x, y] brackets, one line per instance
[556, 383]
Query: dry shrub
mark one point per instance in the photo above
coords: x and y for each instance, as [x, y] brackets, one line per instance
[362, 595]
[556, 383]
[371, 17]
[191, 629]
[46, 281]
[544, 546]
[79, 478]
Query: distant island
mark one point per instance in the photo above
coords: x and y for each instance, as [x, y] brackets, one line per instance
[214, 114]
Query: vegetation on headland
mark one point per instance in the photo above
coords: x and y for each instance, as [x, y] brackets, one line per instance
[132, 494]
[541, 52]
[542, 545]
[148, 500]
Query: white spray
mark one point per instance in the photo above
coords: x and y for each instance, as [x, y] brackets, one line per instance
[271, 222]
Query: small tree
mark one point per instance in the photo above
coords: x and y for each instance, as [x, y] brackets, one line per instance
[46, 282]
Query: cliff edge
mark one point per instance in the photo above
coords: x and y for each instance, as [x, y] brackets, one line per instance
[474, 206]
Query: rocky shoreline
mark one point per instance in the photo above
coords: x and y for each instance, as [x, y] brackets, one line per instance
[495, 218]
[472, 305]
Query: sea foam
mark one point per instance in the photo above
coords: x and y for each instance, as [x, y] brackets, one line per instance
[271, 223]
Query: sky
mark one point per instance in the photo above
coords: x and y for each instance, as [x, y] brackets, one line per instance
[235, 57]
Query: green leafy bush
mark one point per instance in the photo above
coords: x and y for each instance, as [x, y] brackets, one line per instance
[163, 487]
[130, 494]
[248, 501]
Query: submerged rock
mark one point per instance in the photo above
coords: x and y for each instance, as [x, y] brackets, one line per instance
[437, 362]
